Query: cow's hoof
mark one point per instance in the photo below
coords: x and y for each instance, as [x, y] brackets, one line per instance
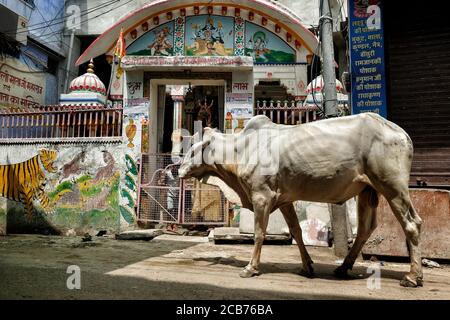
[248, 272]
[308, 270]
[341, 272]
[410, 283]
[420, 282]
[309, 273]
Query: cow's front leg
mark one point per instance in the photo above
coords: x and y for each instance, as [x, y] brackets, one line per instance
[294, 226]
[367, 222]
[262, 212]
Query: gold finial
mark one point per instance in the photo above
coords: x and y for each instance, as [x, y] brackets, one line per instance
[91, 66]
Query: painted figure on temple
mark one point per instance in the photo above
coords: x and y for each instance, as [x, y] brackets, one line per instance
[258, 46]
[160, 46]
[204, 114]
[210, 38]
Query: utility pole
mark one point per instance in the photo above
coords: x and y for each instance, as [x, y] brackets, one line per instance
[339, 223]
[69, 61]
[329, 75]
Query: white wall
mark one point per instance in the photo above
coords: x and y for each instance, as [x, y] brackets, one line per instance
[100, 19]
[18, 6]
[306, 10]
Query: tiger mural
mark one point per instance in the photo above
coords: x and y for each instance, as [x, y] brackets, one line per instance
[25, 181]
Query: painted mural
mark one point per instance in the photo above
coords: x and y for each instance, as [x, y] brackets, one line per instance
[25, 181]
[157, 42]
[135, 121]
[136, 139]
[213, 35]
[209, 36]
[266, 47]
[128, 190]
[79, 189]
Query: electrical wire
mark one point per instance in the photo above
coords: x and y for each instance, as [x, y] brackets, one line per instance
[62, 19]
[82, 22]
[343, 13]
[92, 18]
[321, 111]
[49, 21]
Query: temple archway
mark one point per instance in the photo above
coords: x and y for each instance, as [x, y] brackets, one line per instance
[232, 45]
[245, 21]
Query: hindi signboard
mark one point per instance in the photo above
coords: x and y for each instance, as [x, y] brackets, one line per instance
[20, 87]
[367, 57]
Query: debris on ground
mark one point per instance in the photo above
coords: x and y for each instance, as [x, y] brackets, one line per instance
[101, 233]
[375, 241]
[147, 234]
[71, 233]
[87, 237]
[430, 263]
[85, 244]
[197, 233]
[175, 230]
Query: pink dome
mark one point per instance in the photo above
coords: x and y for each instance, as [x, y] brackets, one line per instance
[88, 82]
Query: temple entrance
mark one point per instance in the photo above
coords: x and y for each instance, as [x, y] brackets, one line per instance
[203, 103]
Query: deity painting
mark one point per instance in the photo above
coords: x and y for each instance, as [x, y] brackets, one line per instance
[156, 42]
[266, 47]
[209, 36]
[360, 7]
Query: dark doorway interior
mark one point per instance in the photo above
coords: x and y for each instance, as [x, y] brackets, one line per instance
[168, 124]
[195, 97]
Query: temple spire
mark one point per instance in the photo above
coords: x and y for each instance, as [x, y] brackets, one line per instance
[91, 66]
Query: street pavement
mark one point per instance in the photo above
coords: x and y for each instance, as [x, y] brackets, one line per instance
[189, 268]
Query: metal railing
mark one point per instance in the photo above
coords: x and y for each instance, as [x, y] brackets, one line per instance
[56, 122]
[287, 112]
[165, 198]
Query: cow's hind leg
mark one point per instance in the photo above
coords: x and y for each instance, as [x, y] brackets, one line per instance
[262, 212]
[292, 221]
[397, 194]
[367, 222]
[411, 223]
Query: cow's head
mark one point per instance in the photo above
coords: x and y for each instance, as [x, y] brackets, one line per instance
[194, 165]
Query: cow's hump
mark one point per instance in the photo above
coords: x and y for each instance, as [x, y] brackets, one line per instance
[258, 122]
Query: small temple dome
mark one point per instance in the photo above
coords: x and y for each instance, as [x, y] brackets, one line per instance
[317, 85]
[88, 82]
[314, 93]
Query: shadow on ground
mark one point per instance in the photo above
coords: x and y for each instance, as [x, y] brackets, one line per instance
[50, 284]
[321, 270]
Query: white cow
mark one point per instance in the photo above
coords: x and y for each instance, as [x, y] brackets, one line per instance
[328, 161]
